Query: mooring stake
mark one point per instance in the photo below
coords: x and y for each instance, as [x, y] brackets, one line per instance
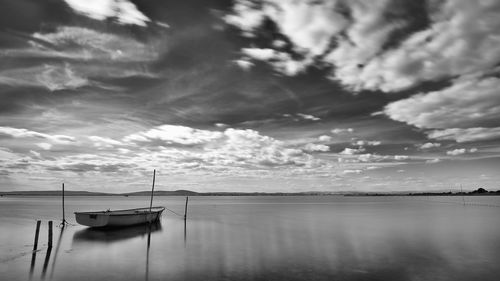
[37, 231]
[50, 235]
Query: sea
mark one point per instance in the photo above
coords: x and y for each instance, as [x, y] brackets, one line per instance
[257, 238]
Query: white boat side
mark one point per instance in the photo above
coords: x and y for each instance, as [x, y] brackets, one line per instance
[119, 218]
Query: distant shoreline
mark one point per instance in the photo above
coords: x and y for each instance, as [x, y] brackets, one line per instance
[478, 192]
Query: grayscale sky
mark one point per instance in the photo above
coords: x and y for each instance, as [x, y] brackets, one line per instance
[272, 95]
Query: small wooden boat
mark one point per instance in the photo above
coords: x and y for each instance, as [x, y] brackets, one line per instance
[119, 218]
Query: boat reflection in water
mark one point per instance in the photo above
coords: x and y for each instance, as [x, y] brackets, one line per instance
[110, 235]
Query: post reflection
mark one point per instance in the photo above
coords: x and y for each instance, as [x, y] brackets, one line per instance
[46, 262]
[32, 265]
[111, 235]
[57, 251]
[147, 251]
[185, 232]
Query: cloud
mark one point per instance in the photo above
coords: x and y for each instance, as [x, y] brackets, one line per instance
[259, 54]
[453, 43]
[431, 161]
[456, 43]
[221, 125]
[367, 143]
[308, 117]
[171, 134]
[104, 142]
[89, 55]
[122, 11]
[44, 145]
[7, 155]
[246, 17]
[325, 138]
[460, 151]
[251, 147]
[467, 103]
[352, 171]
[429, 145]
[351, 151]
[465, 135]
[230, 147]
[58, 78]
[309, 27]
[37, 154]
[244, 64]
[281, 61]
[50, 76]
[180, 150]
[82, 43]
[455, 152]
[311, 147]
[342, 130]
[24, 133]
[400, 157]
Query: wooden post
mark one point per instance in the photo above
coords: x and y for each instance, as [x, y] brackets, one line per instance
[64, 218]
[37, 231]
[152, 190]
[186, 208]
[50, 235]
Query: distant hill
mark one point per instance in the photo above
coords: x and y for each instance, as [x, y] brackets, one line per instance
[158, 193]
[54, 193]
[181, 192]
[162, 193]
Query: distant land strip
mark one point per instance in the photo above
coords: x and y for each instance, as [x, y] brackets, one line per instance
[478, 192]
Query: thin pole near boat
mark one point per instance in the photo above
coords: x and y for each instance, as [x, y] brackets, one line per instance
[152, 190]
[64, 217]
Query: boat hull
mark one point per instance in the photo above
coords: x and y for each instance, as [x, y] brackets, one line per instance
[119, 218]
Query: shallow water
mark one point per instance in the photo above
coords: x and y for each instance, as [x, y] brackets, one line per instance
[259, 238]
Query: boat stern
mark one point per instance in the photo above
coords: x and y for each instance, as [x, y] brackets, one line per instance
[92, 220]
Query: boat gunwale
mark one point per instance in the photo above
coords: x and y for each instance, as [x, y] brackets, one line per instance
[159, 209]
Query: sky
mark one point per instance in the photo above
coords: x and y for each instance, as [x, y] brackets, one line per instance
[270, 95]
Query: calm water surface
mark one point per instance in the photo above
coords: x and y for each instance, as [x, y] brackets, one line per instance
[259, 238]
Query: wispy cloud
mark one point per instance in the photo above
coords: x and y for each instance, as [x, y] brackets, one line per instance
[73, 57]
[341, 130]
[58, 78]
[88, 44]
[308, 117]
[104, 142]
[466, 134]
[24, 133]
